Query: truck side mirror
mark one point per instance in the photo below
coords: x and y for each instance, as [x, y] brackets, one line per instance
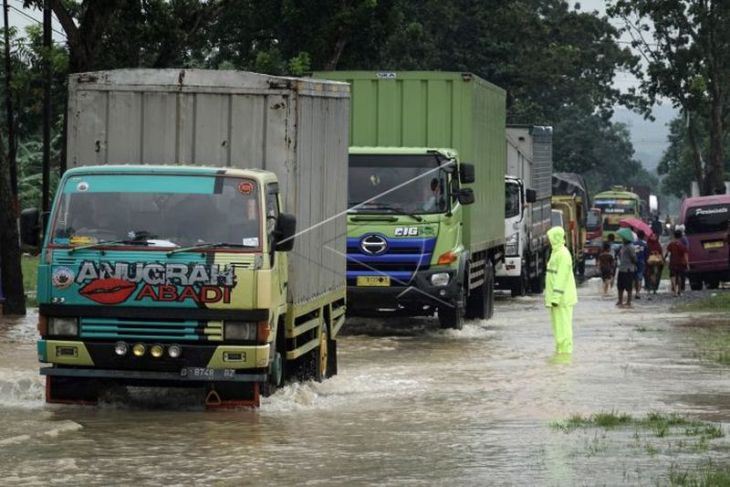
[530, 195]
[286, 228]
[465, 196]
[467, 173]
[30, 227]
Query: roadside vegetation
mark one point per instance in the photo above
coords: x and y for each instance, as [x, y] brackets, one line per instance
[30, 277]
[659, 423]
[717, 302]
[706, 475]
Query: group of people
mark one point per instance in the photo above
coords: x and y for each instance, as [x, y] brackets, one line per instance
[635, 263]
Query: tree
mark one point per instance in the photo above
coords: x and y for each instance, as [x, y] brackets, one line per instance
[10, 267]
[687, 62]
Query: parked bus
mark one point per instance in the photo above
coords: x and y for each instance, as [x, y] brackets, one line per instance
[705, 219]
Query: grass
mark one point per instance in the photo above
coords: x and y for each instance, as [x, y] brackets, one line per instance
[718, 303]
[660, 424]
[708, 474]
[30, 278]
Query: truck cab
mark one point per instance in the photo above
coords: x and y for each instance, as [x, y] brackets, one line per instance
[571, 208]
[163, 275]
[616, 205]
[405, 251]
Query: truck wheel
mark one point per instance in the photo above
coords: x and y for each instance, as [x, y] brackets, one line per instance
[322, 356]
[489, 288]
[713, 284]
[520, 289]
[276, 368]
[332, 364]
[695, 284]
[476, 303]
[453, 316]
[537, 284]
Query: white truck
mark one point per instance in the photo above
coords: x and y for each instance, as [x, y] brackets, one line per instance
[528, 189]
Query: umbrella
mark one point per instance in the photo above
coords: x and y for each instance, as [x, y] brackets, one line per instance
[635, 224]
[626, 234]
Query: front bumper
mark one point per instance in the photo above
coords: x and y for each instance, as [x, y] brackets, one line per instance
[98, 360]
[419, 296]
[510, 267]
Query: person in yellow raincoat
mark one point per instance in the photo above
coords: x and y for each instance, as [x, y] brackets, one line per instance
[560, 292]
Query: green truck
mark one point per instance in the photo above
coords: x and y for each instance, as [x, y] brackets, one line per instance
[425, 193]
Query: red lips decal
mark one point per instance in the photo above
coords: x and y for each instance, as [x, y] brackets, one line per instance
[108, 291]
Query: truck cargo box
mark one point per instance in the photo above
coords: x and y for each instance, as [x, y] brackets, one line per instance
[296, 128]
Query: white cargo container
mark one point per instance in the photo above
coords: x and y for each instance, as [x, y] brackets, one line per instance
[296, 128]
[528, 189]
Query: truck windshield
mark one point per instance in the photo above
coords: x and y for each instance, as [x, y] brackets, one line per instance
[707, 219]
[511, 200]
[593, 221]
[157, 211]
[398, 183]
[616, 206]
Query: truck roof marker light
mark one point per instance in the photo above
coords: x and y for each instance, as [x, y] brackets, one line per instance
[447, 257]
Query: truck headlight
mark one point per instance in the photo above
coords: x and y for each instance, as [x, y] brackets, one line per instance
[512, 244]
[63, 326]
[240, 330]
[440, 279]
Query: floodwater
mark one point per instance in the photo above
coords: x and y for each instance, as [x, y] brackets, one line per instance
[412, 405]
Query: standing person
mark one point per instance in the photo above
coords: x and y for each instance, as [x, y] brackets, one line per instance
[626, 272]
[641, 254]
[615, 247]
[677, 253]
[607, 267]
[654, 263]
[685, 242]
[560, 292]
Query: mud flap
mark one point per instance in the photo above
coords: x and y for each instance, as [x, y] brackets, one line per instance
[71, 390]
[232, 395]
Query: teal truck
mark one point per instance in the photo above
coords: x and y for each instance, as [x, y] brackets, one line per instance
[171, 256]
[425, 193]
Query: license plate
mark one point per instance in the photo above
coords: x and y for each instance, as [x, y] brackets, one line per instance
[373, 281]
[204, 373]
[714, 245]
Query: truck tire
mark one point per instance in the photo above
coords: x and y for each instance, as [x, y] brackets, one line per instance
[520, 289]
[695, 284]
[537, 284]
[713, 283]
[321, 364]
[453, 316]
[476, 303]
[275, 375]
[489, 283]
[332, 365]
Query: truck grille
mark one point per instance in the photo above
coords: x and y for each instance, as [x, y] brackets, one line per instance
[400, 261]
[130, 329]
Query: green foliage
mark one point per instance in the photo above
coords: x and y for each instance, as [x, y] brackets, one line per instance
[708, 474]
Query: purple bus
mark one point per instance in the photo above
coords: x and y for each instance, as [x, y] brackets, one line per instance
[706, 225]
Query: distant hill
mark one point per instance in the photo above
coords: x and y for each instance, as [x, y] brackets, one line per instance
[649, 138]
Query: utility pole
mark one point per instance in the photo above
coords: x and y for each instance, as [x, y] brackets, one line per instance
[46, 112]
[9, 110]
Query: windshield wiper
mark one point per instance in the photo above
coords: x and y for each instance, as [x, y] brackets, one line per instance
[208, 246]
[394, 209]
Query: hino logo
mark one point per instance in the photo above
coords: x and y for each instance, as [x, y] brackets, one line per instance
[373, 244]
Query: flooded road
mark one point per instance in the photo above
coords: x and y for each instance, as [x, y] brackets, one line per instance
[412, 405]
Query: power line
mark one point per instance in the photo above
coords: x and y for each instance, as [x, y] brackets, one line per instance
[30, 17]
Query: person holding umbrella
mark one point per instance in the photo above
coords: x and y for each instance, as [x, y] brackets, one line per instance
[560, 291]
[626, 267]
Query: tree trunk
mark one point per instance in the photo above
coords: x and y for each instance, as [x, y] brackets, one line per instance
[715, 169]
[10, 267]
[697, 168]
